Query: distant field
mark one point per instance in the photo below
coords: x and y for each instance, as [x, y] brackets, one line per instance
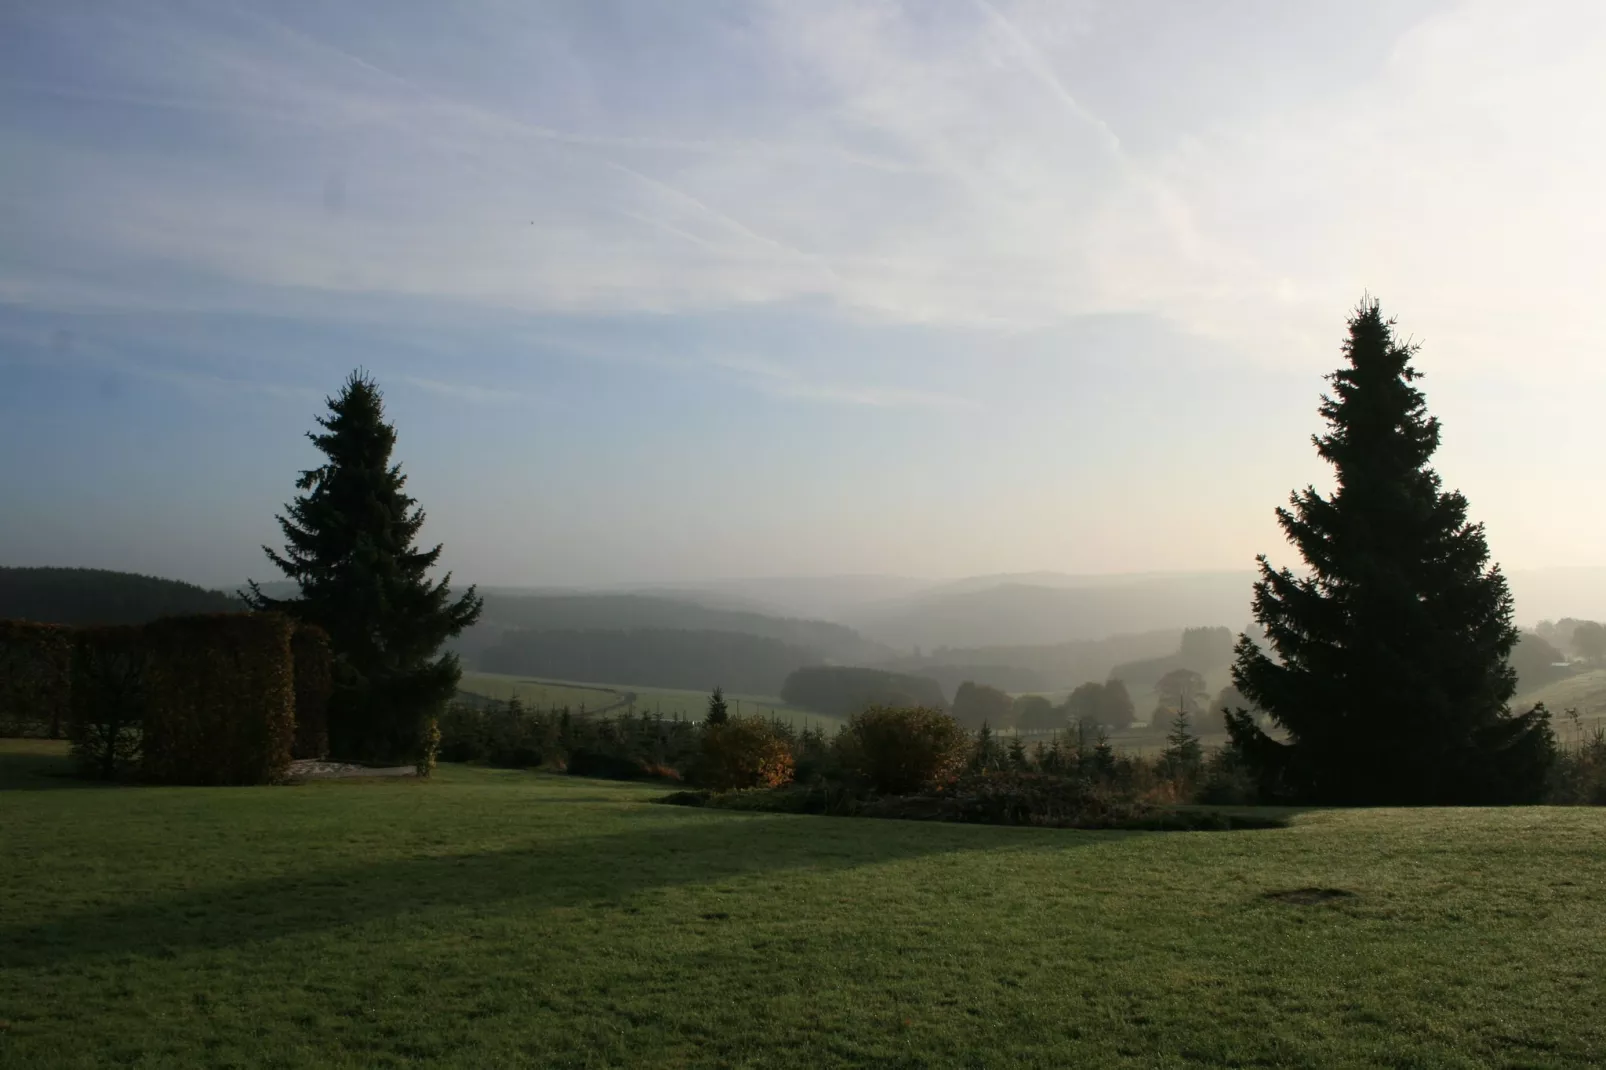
[543, 693]
[690, 705]
[1585, 692]
[500, 918]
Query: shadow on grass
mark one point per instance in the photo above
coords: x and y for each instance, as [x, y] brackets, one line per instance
[604, 871]
[40, 765]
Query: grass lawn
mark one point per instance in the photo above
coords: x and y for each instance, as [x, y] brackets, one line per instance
[497, 918]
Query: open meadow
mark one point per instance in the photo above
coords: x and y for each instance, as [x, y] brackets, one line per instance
[494, 918]
[620, 698]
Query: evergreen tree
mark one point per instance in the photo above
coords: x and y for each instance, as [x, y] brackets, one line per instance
[1390, 678]
[1183, 754]
[986, 754]
[349, 545]
[1103, 754]
[717, 712]
[1017, 753]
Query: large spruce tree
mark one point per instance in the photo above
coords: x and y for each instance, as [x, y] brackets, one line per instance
[349, 545]
[1389, 679]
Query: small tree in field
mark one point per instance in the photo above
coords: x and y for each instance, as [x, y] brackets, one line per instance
[1387, 668]
[350, 547]
[717, 711]
[1183, 754]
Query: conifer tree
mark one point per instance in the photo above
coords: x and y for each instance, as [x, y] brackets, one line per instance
[350, 547]
[1389, 678]
[1183, 753]
[718, 712]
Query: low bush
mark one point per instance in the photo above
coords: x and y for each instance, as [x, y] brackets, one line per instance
[899, 751]
[1579, 775]
[998, 798]
[35, 679]
[744, 752]
[1227, 780]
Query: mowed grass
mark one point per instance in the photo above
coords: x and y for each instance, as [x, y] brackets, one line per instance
[498, 918]
[616, 698]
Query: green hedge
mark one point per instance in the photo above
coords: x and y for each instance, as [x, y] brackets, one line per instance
[35, 678]
[107, 704]
[314, 683]
[219, 699]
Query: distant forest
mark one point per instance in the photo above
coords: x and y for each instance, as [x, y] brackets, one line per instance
[1040, 667]
[655, 641]
[81, 596]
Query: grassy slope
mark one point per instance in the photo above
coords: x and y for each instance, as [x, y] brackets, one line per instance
[669, 701]
[500, 918]
[1585, 692]
[541, 693]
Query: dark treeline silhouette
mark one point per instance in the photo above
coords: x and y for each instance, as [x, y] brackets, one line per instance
[651, 657]
[1010, 678]
[842, 690]
[1538, 662]
[86, 596]
[1583, 639]
[1048, 667]
[1201, 651]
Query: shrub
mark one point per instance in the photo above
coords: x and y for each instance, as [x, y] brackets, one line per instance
[35, 678]
[107, 701]
[813, 757]
[744, 752]
[899, 751]
[999, 798]
[219, 699]
[314, 683]
[1228, 780]
[1015, 798]
[1579, 775]
[425, 765]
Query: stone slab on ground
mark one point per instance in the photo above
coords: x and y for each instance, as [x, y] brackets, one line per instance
[315, 769]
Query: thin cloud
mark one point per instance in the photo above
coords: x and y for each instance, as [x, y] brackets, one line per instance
[781, 381]
[947, 166]
[474, 395]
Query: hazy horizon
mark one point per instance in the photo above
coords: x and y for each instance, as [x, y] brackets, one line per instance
[677, 294]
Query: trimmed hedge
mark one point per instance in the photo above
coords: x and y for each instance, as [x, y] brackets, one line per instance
[35, 678]
[314, 677]
[219, 699]
[107, 705]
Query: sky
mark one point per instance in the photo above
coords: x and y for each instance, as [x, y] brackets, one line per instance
[667, 292]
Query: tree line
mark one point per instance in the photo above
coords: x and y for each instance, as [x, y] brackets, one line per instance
[1381, 672]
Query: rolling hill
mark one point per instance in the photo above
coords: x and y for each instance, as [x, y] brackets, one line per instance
[1023, 614]
[80, 596]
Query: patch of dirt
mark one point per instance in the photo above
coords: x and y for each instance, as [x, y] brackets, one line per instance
[314, 769]
[1309, 897]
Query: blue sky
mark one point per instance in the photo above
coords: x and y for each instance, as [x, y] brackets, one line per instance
[710, 289]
